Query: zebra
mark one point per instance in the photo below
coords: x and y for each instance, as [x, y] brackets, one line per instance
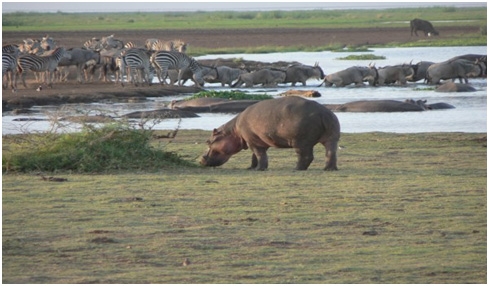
[48, 43]
[136, 61]
[31, 46]
[93, 44]
[160, 45]
[164, 60]
[179, 46]
[37, 63]
[109, 42]
[11, 49]
[130, 45]
[9, 67]
[10, 54]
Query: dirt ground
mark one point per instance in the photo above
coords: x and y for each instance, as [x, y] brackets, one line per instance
[213, 39]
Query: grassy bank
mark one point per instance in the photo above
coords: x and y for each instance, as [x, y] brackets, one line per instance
[113, 22]
[403, 208]
[62, 21]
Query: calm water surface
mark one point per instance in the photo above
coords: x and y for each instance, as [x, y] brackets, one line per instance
[470, 114]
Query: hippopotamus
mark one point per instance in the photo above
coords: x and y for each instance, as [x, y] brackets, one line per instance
[455, 87]
[433, 106]
[387, 106]
[288, 122]
[216, 105]
[196, 102]
[375, 106]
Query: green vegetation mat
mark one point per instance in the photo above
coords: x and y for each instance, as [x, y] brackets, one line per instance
[403, 208]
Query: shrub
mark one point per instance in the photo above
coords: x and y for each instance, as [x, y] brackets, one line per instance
[111, 147]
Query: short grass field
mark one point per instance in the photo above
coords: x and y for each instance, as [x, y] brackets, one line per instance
[62, 21]
[403, 208]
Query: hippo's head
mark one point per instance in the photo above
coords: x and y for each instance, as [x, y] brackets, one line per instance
[222, 146]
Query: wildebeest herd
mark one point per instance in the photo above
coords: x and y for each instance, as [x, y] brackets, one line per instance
[118, 61]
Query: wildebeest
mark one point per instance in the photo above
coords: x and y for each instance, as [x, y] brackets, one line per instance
[395, 74]
[477, 58]
[420, 71]
[356, 75]
[301, 73]
[461, 69]
[423, 25]
[78, 57]
[265, 77]
[224, 75]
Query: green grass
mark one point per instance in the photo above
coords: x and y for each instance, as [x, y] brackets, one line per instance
[403, 208]
[237, 20]
[361, 57]
[232, 95]
[61, 21]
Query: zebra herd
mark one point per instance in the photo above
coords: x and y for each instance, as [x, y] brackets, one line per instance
[108, 55]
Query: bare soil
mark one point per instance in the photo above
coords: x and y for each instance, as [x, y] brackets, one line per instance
[74, 92]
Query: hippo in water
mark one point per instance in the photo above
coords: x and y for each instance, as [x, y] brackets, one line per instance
[289, 122]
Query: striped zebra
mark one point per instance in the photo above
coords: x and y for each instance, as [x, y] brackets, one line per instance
[11, 49]
[160, 45]
[130, 45]
[48, 43]
[10, 54]
[93, 44]
[37, 63]
[179, 46]
[164, 60]
[136, 62]
[9, 69]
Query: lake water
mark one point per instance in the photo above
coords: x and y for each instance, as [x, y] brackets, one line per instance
[470, 114]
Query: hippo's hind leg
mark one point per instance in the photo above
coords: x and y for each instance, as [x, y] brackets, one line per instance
[259, 160]
[304, 156]
[331, 161]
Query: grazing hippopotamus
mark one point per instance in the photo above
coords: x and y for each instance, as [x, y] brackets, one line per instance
[289, 122]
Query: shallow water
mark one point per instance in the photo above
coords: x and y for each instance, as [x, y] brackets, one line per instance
[470, 114]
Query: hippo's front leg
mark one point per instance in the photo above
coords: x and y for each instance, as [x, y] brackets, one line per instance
[305, 157]
[259, 160]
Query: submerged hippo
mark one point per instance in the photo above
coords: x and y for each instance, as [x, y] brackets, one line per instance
[387, 106]
[289, 122]
[375, 106]
[455, 87]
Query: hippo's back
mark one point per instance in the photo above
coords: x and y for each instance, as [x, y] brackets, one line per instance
[286, 122]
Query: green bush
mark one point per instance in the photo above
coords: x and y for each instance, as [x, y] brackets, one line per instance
[111, 147]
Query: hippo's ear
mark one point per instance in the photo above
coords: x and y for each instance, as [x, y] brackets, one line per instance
[215, 132]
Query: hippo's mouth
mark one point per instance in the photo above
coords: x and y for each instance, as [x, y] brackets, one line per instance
[210, 162]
